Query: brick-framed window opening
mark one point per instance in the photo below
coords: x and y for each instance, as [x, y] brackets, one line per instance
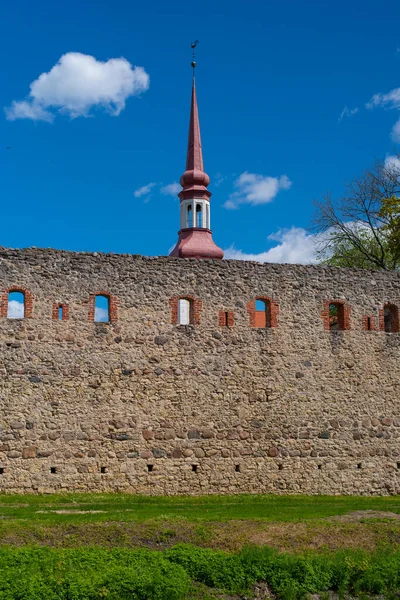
[369, 323]
[112, 309]
[60, 311]
[226, 318]
[336, 315]
[389, 318]
[27, 303]
[185, 310]
[263, 312]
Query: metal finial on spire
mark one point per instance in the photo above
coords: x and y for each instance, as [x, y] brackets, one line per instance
[193, 47]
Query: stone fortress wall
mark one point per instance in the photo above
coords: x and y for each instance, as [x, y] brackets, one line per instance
[221, 406]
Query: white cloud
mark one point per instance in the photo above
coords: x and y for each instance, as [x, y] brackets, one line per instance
[255, 189]
[144, 190]
[76, 84]
[347, 112]
[294, 246]
[396, 132]
[389, 100]
[28, 110]
[219, 179]
[172, 189]
[101, 315]
[392, 162]
[15, 309]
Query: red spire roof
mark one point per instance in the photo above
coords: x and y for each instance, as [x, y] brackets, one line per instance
[194, 178]
[195, 242]
[194, 158]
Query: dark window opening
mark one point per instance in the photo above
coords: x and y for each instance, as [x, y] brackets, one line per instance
[237, 468]
[263, 313]
[149, 468]
[102, 309]
[369, 324]
[359, 465]
[280, 467]
[1, 470]
[194, 468]
[53, 470]
[319, 467]
[391, 318]
[398, 465]
[16, 305]
[103, 469]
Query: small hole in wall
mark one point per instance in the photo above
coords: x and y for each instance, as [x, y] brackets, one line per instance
[398, 465]
[359, 466]
[194, 468]
[280, 466]
[1, 470]
[103, 469]
[237, 468]
[53, 470]
[319, 467]
[149, 468]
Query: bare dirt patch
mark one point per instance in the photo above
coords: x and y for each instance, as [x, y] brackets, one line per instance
[359, 515]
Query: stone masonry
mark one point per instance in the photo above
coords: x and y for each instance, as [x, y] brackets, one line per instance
[144, 405]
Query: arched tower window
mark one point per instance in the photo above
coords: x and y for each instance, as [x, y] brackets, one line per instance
[189, 216]
[199, 216]
[102, 309]
[391, 318]
[16, 305]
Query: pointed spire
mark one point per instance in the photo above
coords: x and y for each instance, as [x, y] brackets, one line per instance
[195, 237]
[194, 158]
[194, 177]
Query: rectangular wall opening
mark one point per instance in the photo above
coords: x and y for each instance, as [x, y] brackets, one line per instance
[53, 470]
[150, 468]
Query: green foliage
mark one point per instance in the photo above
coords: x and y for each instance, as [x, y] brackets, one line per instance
[362, 228]
[340, 250]
[390, 215]
[214, 568]
[94, 573]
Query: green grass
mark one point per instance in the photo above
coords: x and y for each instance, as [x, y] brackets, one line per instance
[125, 508]
[131, 546]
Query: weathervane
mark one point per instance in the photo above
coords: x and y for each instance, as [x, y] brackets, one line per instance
[193, 47]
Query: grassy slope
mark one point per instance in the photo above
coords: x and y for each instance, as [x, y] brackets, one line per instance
[225, 522]
[123, 507]
[293, 523]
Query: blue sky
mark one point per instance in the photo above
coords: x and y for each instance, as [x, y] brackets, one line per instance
[273, 79]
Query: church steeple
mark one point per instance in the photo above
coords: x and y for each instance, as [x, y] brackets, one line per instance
[195, 238]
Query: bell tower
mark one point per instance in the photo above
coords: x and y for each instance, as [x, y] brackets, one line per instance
[194, 236]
